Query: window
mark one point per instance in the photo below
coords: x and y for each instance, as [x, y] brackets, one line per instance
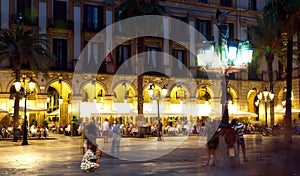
[178, 30]
[204, 27]
[60, 50]
[252, 5]
[249, 37]
[60, 11]
[183, 19]
[203, 1]
[92, 58]
[93, 18]
[123, 53]
[230, 31]
[118, 18]
[227, 31]
[24, 10]
[180, 55]
[152, 60]
[227, 3]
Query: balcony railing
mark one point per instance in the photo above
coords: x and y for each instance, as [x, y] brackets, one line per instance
[92, 27]
[61, 24]
[30, 21]
[64, 65]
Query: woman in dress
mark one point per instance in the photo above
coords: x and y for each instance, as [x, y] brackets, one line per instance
[90, 160]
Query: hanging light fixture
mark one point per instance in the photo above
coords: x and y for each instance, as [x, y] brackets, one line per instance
[164, 91]
[151, 90]
[17, 85]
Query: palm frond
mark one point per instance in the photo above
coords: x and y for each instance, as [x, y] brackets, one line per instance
[26, 47]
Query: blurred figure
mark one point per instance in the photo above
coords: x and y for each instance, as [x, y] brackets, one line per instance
[239, 128]
[115, 146]
[45, 132]
[92, 131]
[159, 130]
[82, 131]
[105, 130]
[212, 146]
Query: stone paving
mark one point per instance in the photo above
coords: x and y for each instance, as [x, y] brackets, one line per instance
[61, 155]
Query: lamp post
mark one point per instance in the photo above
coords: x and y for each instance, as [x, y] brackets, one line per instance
[266, 97]
[157, 95]
[226, 57]
[25, 93]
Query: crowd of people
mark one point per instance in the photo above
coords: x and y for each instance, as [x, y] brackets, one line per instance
[39, 131]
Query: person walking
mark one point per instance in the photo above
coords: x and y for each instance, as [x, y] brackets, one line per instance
[92, 131]
[115, 146]
[159, 130]
[105, 129]
[239, 128]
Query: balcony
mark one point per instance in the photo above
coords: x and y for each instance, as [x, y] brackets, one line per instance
[64, 65]
[28, 21]
[60, 28]
[61, 24]
[92, 27]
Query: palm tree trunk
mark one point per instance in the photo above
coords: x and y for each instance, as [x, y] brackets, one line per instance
[140, 49]
[270, 59]
[16, 109]
[288, 112]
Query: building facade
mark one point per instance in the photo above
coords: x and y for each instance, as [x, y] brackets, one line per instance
[72, 26]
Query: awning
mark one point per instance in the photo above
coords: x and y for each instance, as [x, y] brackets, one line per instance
[123, 108]
[3, 111]
[104, 112]
[32, 109]
[234, 113]
[54, 113]
[239, 113]
[282, 111]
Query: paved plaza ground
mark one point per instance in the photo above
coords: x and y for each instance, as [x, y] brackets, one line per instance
[61, 155]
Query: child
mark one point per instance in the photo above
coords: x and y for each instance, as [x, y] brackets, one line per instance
[90, 160]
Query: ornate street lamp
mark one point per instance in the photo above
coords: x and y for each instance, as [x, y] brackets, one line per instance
[25, 93]
[231, 59]
[157, 95]
[266, 97]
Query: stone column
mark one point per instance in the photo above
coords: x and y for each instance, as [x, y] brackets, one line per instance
[75, 105]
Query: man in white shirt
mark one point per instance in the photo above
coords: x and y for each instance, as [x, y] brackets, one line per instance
[105, 128]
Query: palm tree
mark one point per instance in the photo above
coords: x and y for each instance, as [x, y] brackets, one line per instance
[27, 47]
[266, 43]
[132, 8]
[286, 12]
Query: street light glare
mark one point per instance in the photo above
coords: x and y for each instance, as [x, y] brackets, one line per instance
[17, 86]
[150, 91]
[31, 85]
[164, 91]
